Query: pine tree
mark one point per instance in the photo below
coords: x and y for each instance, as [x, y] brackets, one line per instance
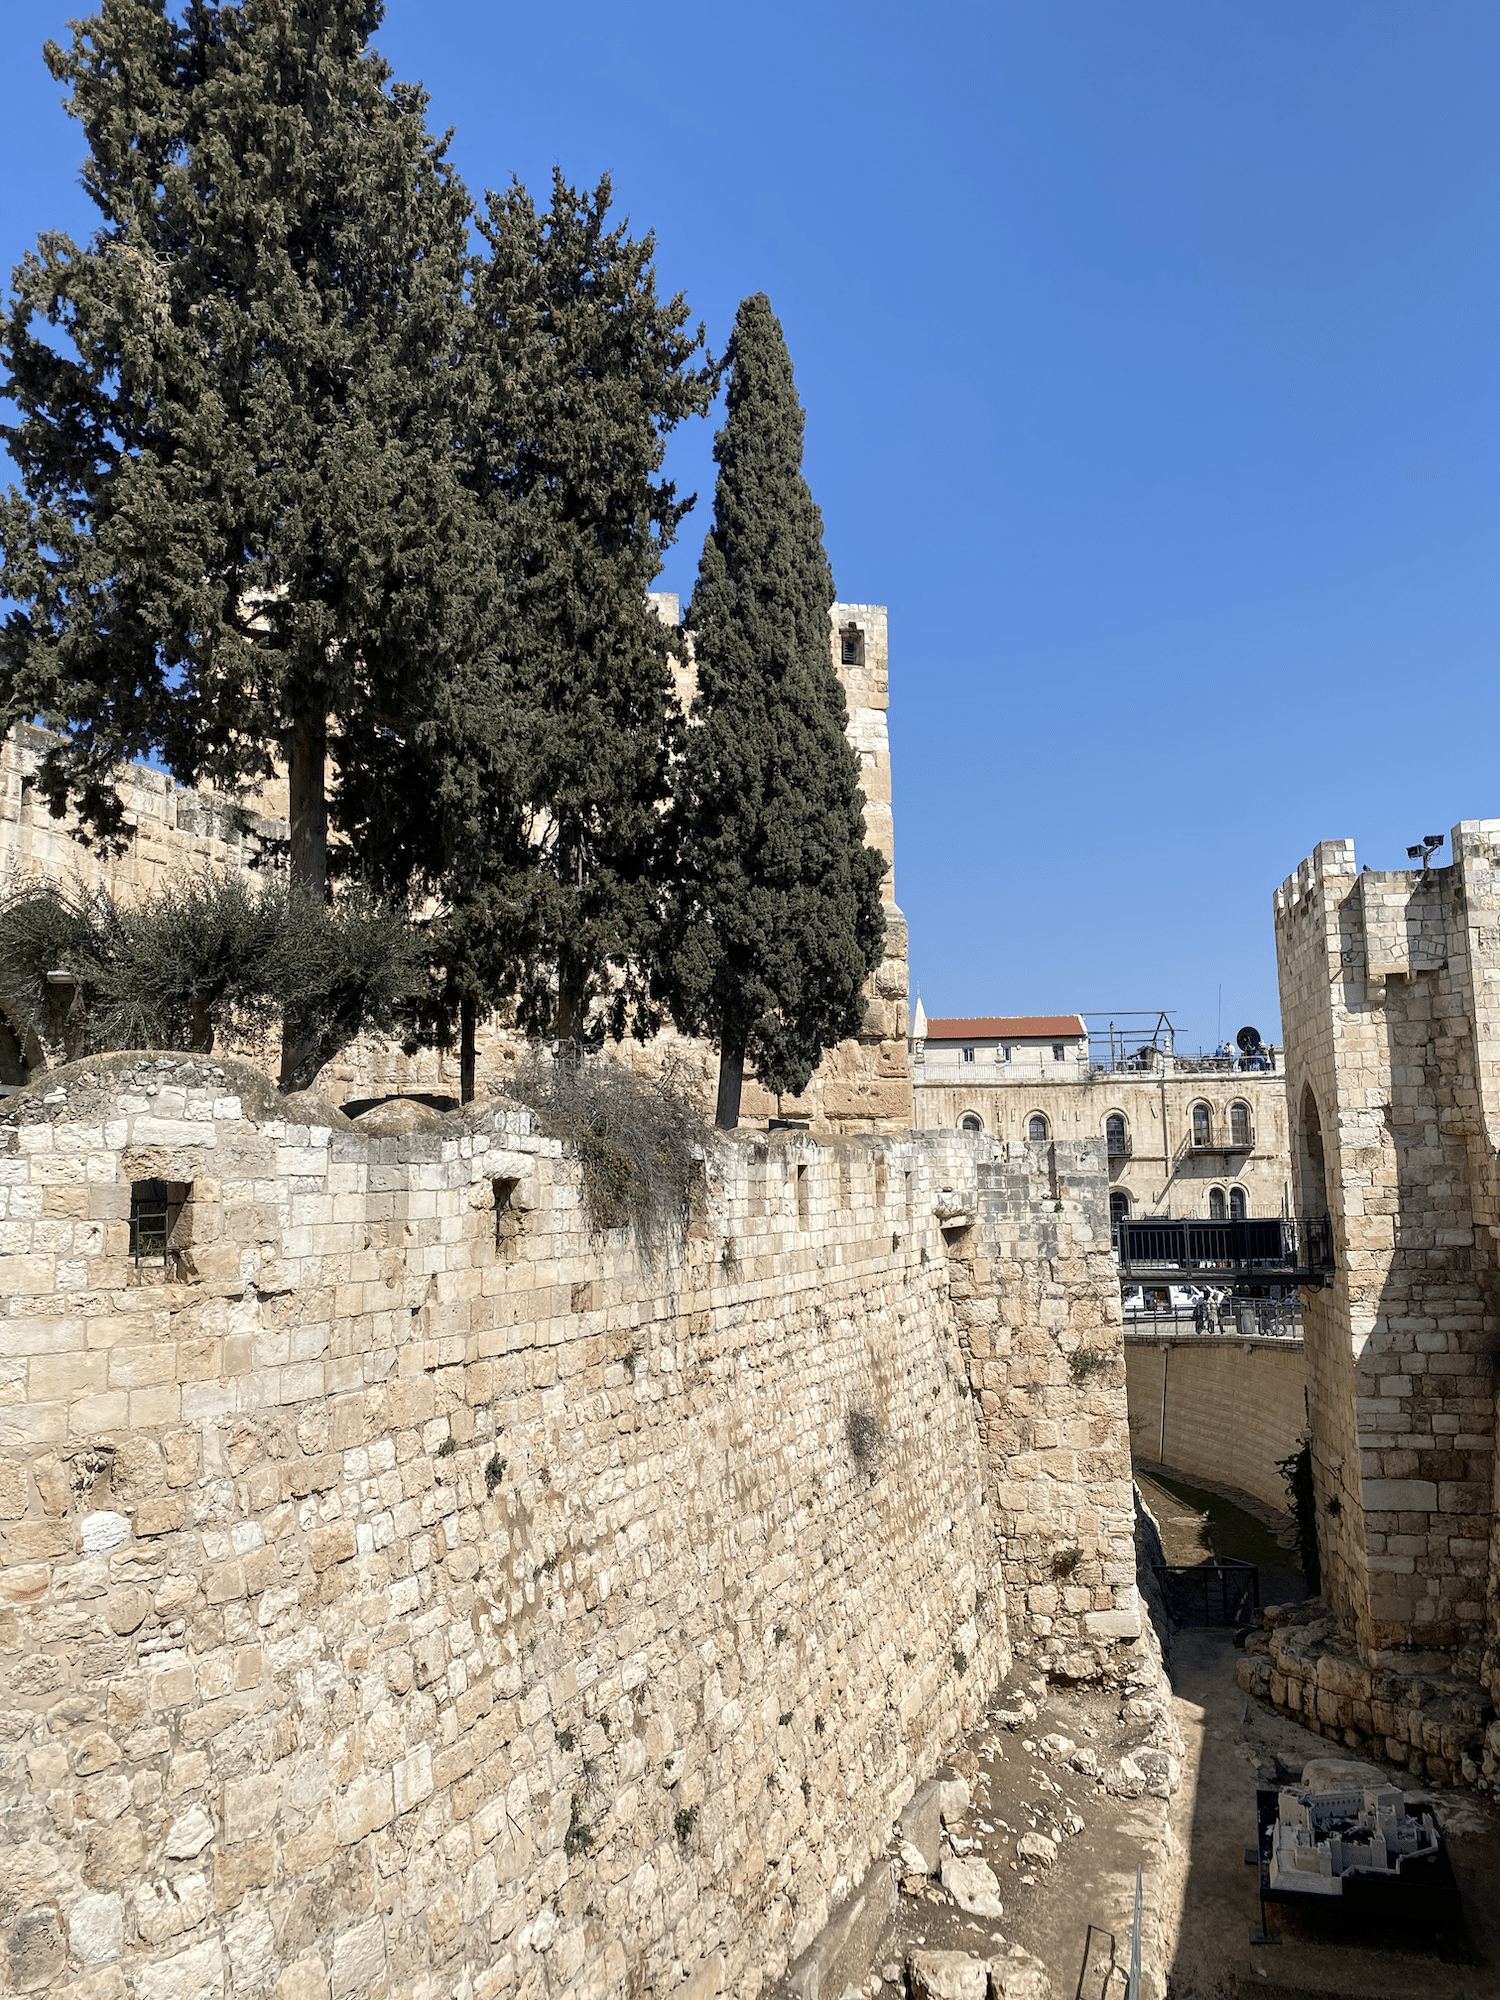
[241, 532]
[779, 920]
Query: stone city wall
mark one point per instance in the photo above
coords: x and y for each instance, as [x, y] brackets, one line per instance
[861, 1086]
[403, 1591]
[1038, 1302]
[1225, 1410]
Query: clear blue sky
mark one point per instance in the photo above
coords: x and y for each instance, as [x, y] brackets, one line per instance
[1152, 369]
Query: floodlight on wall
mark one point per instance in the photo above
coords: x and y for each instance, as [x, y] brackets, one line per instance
[1430, 843]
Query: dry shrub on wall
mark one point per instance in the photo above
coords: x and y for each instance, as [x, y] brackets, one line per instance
[640, 1141]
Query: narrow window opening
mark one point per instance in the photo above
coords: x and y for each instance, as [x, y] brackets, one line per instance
[851, 646]
[1203, 1125]
[155, 1218]
[1239, 1207]
[1239, 1124]
[1005, 1053]
[1037, 1127]
[1116, 1138]
[804, 1195]
[1216, 1209]
[968, 1055]
[882, 1180]
[1057, 1051]
[507, 1216]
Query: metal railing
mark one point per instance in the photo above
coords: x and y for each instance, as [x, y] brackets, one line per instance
[1270, 1244]
[1222, 1593]
[1245, 1319]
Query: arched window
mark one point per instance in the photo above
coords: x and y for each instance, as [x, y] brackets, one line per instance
[1203, 1125]
[1037, 1127]
[1314, 1184]
[1119, 1205]
[1116, 1138]
[971, 1122]
[1216, 1208]
[1239, 1206]
[1239, 1124]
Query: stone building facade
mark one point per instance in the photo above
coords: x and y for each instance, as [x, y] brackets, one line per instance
[1390, 991]
[1186, 1136]
[405, 1589]
[861, 1086]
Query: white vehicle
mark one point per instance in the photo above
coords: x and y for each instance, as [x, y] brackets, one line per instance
[1180, 1300]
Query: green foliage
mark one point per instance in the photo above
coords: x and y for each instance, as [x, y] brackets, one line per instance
[778, 920]
[1086, 1362]
[447, 1448]
[579, 1837]
[686, 1819]
[639, 1142]
[240, 525]
[199, 960]
[960, 1661]
[494, 1472]
[1065, 1561]
[1297, 1472]
[548, 763]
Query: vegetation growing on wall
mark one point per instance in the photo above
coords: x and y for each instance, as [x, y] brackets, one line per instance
[1296, 1470]
[640, 1142]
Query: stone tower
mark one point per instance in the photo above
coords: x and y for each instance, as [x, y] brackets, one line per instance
[1390, 999]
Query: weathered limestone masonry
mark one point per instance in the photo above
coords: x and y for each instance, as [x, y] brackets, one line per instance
[861, 1086]
[403, 1593]
[1390, 991]
[1038, 1299]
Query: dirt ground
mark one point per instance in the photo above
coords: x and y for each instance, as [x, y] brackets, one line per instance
[1201, 1905]
[1231, 1744]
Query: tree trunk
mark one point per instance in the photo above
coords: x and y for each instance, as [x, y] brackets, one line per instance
[468, 1021]
[731, 1080]
[572, 1008]
[309, 804]
[308, 789]
[202, 1026]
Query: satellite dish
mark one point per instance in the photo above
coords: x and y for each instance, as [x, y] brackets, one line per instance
[1247, 1041]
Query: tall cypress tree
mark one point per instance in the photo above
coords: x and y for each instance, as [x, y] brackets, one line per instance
[559, 855]
[239, 538]
[779, 921]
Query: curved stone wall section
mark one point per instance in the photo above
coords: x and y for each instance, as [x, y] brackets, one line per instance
[1226, 1410]
[402, 1592]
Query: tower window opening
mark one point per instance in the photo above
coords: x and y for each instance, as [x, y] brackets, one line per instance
[851, 647]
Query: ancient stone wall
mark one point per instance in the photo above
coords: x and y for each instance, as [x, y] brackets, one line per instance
[1389, 987]
[403, 1591]
[861, 1086]
[1038, 1301]
[1225, 1410]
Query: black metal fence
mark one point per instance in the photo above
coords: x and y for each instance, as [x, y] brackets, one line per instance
[1268, 1244]
[1224, 1593]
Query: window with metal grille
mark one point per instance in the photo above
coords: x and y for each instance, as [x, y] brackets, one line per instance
[1037, 1127]
[971, 1122]
[1239, 1124]
[1203, 1125]
[851, 646]
[154, 1210]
